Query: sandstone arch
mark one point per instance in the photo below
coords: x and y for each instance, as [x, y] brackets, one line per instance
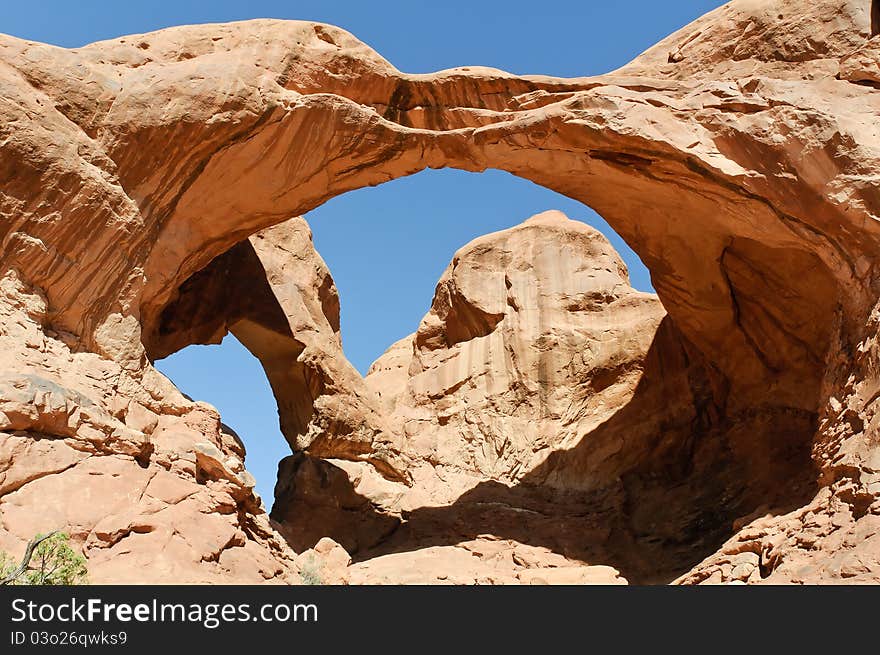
[738, 158]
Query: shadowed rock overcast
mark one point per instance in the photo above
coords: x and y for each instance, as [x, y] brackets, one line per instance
[544, 422]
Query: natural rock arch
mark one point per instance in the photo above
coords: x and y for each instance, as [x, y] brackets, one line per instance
[656, 155]
[737, 157]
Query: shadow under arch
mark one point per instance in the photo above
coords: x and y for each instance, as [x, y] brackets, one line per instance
[687, 473]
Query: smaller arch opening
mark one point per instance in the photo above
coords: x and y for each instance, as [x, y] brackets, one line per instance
[231, 379]
[875, 17]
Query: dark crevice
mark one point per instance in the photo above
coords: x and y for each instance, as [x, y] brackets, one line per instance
[737, 321]
[626, 159]
[868, 83]
[875, 18]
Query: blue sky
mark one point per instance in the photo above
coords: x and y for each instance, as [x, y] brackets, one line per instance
[386, 246]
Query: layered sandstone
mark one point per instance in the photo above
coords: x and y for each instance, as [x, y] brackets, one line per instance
[535, 338]
[738, 157]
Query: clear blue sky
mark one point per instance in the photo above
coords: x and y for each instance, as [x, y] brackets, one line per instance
[386, 246]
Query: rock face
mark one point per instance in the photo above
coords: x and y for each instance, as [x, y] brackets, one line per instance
[150, 485]
[534, 338]
[738, 157]
[542, 406]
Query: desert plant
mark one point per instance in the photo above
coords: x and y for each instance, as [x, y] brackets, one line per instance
[48, 560]
[310, 572]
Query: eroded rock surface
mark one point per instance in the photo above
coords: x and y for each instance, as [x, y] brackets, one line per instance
[535, 337]
[738, 157]
[150, 485]
[542, 404]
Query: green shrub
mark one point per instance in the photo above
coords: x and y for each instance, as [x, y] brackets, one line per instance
[310, 573]
[52, 562]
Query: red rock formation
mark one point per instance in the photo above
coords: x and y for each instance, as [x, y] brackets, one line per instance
[738, 157]
[534, 339]
[542, 404]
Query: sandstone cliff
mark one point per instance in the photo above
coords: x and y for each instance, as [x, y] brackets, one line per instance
[738, 157]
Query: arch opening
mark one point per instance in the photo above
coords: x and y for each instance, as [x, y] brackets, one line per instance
[387, 246]
[231, 379]
[247, 294]
[689, 448]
